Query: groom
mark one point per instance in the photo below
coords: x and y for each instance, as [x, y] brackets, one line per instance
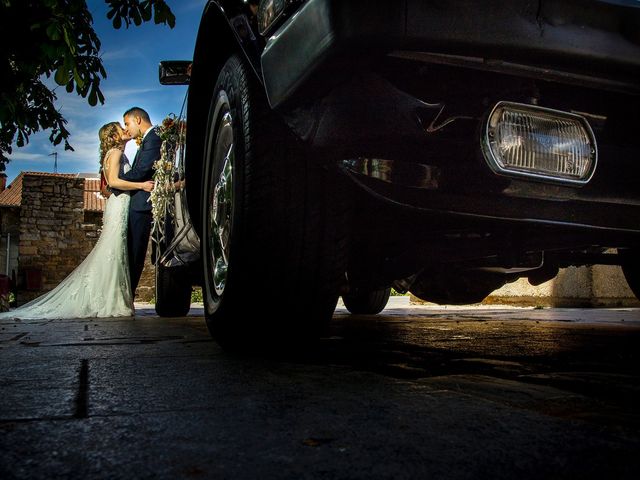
[137, 123]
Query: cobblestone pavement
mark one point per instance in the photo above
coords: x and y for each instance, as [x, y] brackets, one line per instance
[416, 392]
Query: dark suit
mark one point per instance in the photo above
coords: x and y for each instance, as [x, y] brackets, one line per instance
[140, 217]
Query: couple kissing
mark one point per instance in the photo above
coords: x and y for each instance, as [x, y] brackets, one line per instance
[103, 285]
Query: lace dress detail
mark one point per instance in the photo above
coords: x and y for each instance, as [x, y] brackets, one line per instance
[100, 285]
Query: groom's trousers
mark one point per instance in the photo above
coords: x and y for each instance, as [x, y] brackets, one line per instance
[137, 240]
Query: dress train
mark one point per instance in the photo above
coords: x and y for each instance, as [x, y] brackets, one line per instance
[100, 285]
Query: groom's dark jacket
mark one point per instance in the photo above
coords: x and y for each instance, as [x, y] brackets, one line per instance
[142, 170]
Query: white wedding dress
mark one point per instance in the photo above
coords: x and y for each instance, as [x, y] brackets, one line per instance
[100, 285]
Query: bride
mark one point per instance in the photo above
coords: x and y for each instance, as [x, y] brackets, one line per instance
[100, 285]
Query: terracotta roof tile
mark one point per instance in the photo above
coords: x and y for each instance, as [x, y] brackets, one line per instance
[12, 195]
[93, 200]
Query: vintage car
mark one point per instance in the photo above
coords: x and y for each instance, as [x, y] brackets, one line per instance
[344, 147]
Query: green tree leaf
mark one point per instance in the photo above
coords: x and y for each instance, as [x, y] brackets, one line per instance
[93, 97]
[62, 75]
[53, 30]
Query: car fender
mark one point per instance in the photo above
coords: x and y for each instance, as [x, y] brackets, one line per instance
[222, 32]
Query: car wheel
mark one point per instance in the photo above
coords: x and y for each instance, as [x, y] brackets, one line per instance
[631, 269]
[173, 292]
[272, 224]
[367, 302]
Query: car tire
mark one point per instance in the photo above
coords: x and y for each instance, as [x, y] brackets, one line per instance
[173, 292]
[367, 302]
[631, 269]
[273, 224]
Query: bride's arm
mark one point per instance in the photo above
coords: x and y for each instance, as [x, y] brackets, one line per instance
[112, 167]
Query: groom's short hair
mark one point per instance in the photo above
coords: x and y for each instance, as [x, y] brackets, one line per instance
[137, 112]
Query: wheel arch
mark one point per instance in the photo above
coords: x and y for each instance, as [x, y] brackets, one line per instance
[215, 43]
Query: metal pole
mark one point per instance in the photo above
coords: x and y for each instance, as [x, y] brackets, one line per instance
[55, 161]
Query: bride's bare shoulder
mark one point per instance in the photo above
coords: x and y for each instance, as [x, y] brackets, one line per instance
[112, 153]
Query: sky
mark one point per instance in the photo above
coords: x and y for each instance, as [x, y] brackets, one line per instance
[130, 57]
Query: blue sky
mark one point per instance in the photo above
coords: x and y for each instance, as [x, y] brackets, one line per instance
[131, 58]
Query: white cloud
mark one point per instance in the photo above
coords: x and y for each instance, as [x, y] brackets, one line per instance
[118, 93]
[25, 156]
[120, 54]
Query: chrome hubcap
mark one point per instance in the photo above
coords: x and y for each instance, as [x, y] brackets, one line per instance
[222, 205]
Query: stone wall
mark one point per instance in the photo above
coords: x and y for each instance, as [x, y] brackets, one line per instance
[573, 287]
[596, 286]
[53, 236]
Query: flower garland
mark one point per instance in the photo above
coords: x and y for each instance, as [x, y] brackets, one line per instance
[172, 133]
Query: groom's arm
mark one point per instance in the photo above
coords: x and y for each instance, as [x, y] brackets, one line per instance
[143, 166]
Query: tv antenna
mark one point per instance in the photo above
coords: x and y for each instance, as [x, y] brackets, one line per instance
[55, 161]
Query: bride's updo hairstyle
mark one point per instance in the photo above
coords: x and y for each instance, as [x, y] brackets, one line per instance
[109, 138]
